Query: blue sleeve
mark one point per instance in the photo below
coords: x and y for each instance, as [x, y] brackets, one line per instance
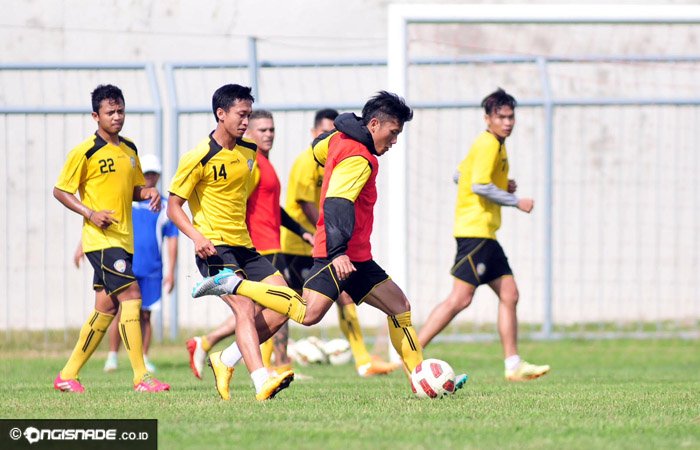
[170, 230]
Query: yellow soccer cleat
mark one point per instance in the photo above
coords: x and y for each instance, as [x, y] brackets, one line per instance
[376, 367]
[274, 384]
[526, 371]
[222, 375]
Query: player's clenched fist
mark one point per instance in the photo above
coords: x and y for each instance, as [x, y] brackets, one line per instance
[526, 204]
[204, 248]
[102, 219]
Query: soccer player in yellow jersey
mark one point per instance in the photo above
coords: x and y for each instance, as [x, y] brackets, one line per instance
[105, 169]
[483, 187]
[264, 218]
[215, 179]
[303, 197]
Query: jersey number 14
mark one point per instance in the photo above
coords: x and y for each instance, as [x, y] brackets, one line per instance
[221, 172]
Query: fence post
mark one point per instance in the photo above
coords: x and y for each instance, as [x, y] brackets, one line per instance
[253, 66]
[547, 204]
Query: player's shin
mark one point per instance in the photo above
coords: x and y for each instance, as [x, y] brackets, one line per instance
[281, 299]
[130, 330]
[90, 336]
[403, 338]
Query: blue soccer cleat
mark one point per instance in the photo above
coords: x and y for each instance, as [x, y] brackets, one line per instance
[223, 283]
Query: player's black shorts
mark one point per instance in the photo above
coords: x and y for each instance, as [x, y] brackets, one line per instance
[297, 270]
[113, 271]
[479, 261]
[277, 260]
[324, 280]
[246, 261]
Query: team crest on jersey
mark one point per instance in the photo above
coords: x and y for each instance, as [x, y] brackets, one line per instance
[250, 165]
[133, 161]
[120, 265]
[480, 269]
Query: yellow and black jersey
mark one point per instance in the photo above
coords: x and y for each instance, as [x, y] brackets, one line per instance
[320, 147]
[486, 162]
[305, 181]
[216, 182]
[105, 175]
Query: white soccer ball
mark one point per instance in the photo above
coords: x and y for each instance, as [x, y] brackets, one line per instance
[433, 378]
[307, 351]
[338, 351]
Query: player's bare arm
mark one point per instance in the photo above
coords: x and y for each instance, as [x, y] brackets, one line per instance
[145, 193]
[102, 219]
[310, 210]
[169, 278]
[202, 246]
[78, 255]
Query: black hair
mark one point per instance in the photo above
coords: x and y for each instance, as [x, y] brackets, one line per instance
[260, 114]
[227, 95]
[326, 113]
[105, 92]
[384, 106]
[496, 100]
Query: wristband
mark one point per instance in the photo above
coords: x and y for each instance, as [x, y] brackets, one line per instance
[90, 216]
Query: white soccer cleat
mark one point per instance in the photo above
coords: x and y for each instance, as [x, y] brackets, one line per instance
[111, 363]
[526, 371]
[149, 365]
[223, 283]
[197, 356]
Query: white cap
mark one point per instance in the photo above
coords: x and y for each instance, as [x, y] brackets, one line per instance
[150, 163]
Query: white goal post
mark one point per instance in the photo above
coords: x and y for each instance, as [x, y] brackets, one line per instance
[401, 15]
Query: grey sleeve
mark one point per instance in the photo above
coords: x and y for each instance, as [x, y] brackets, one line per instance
[496, 195]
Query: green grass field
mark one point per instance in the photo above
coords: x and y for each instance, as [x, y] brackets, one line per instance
[600, 394]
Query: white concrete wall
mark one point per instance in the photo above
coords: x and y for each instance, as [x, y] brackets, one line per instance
[625, 206]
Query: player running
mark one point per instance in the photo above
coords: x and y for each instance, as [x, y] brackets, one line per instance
[214, 178]
[483, 187]
[105, 169]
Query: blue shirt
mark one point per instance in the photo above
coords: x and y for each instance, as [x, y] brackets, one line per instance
[149, 230]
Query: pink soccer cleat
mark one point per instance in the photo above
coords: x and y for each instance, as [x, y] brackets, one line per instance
[150, 384]
[67, 385]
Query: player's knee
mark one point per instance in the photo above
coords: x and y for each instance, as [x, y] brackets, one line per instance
[145, 315]
[460, 300]
[131, 292]
[312, 318]
[510, 297]
[401, 307]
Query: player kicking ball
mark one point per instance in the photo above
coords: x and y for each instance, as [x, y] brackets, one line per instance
[342, 251]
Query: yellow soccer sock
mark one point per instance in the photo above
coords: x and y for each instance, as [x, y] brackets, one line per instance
[130, 330]
[206, 346]
[266, 349]
[403, 338]
[90, 336]
[350, 326]
[281, 299]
